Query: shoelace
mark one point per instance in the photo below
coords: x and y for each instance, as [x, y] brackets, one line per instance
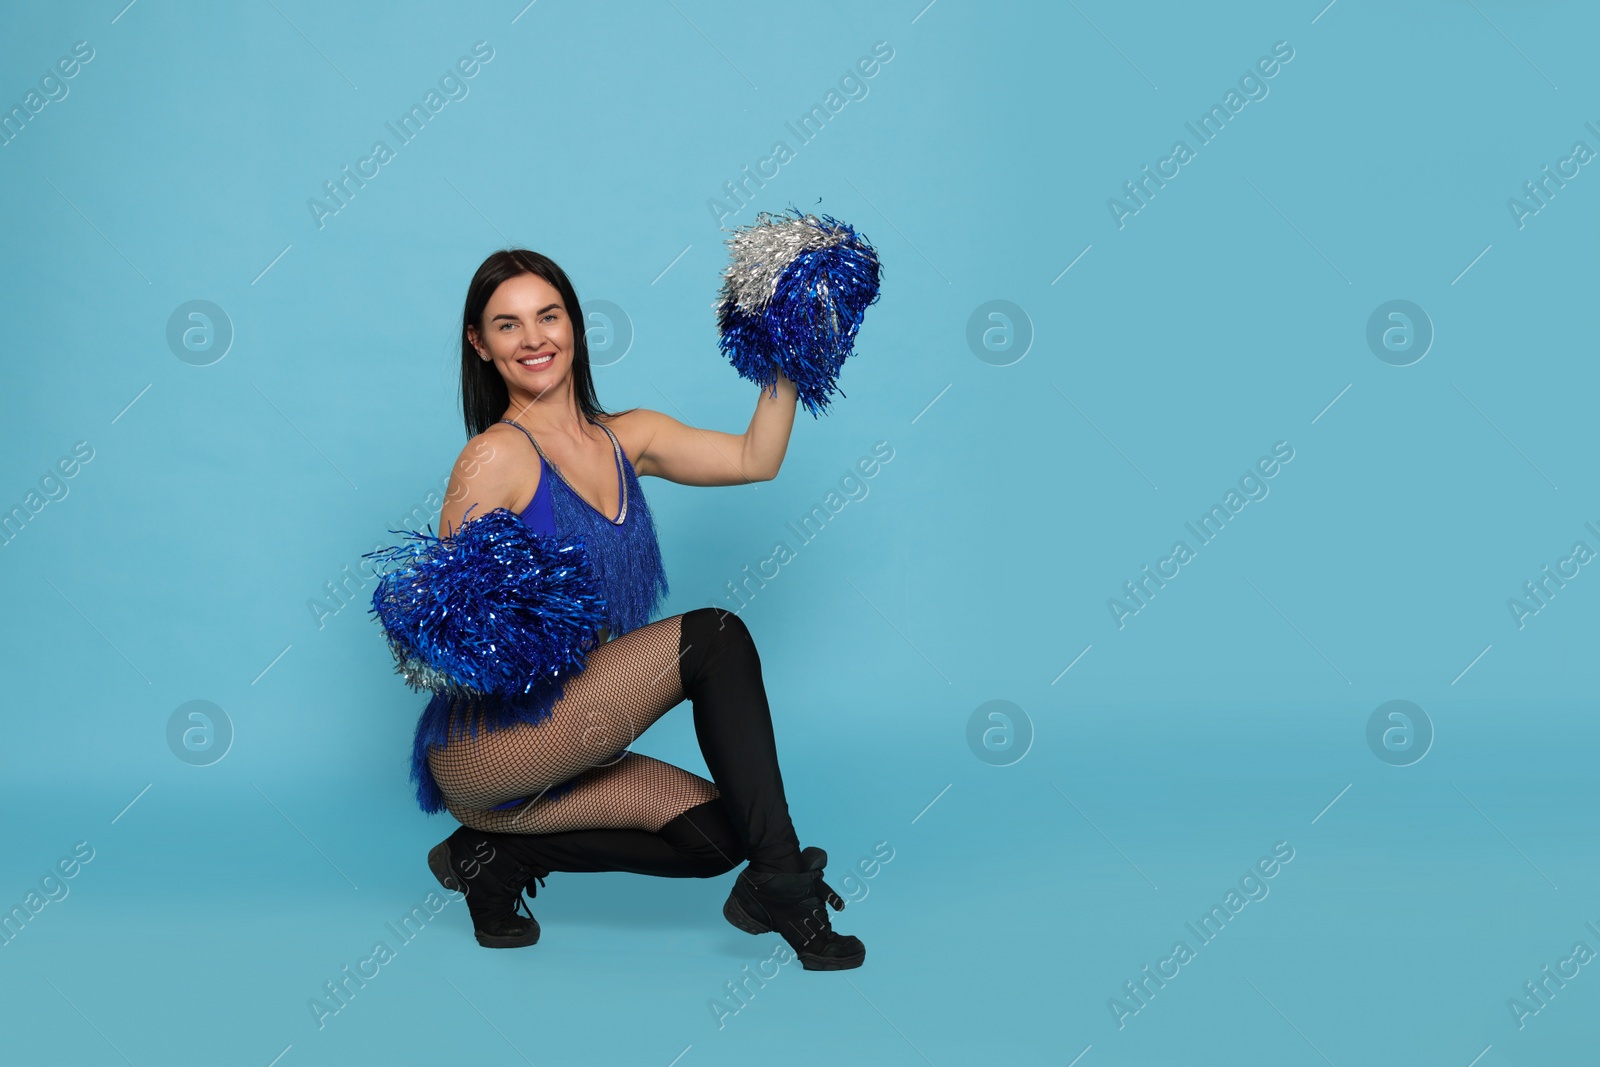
[826, 933]
[822, 891]
[522, 876]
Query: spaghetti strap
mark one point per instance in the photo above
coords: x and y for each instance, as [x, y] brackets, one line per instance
[524, 430]
[622, 474]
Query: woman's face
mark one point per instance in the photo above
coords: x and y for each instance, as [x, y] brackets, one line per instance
[526, 334]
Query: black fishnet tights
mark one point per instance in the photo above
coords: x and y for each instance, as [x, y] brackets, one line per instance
[706, 655]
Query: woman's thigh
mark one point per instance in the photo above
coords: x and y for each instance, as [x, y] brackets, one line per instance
[637, 792]
[628, 683]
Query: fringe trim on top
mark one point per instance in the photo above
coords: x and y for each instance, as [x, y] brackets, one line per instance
[625, 558]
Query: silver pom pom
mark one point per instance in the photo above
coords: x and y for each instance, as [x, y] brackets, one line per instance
[761, 252]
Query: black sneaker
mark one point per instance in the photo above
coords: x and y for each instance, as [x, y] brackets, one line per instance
[793, 905]
[493, 881]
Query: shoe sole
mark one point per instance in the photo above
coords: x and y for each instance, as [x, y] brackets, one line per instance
[439, 864]
[735, 914]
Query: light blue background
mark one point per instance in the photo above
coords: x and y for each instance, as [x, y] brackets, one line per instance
[1228, 314]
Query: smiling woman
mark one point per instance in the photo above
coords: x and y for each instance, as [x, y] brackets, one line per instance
[542, 780]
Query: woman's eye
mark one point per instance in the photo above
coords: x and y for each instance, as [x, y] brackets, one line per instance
[507, 325]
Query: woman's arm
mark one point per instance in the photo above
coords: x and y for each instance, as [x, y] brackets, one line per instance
[692, 456]
[485, 477]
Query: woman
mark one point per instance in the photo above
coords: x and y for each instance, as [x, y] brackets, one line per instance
[558, 790]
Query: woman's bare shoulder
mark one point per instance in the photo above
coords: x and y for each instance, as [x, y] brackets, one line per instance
[496, 450]
[498, 467]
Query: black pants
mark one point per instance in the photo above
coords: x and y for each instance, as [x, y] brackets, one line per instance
[720, 672]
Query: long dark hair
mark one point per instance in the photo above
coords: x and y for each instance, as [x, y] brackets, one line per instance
[484, 396]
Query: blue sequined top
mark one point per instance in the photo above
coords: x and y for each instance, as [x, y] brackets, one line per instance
[626, 558]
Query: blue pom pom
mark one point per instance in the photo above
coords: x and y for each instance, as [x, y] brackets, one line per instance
[496, 608]
[792, 299]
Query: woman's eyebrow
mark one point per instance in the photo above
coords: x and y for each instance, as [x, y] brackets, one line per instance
[509, 315]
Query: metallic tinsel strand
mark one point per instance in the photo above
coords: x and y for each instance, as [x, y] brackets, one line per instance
[495, 608]
[762, 251]
[792, 299]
